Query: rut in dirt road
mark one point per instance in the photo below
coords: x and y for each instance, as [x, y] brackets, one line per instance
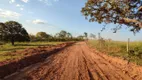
[78, 62]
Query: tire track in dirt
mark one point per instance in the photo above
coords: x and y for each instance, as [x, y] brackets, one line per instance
[79, 62]
[131, 70]
[105, 67]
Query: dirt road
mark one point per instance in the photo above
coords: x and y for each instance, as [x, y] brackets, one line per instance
[79, 62]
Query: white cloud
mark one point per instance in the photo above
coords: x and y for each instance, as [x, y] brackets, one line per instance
[9, 14]
[25, 1]
[18, 5]
[21, 9]
[38, 21]
[11, 1]
[48, 2]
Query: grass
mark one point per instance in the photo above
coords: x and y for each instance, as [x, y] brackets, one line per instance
[119, 49]
[6, 48]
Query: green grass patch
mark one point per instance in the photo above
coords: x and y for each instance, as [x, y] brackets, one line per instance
[119, 49]
[5, 49]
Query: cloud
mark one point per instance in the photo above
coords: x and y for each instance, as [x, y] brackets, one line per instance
[48, 2]
[11, 1]
[25, 1]
[21, 9]
[38, 21]
[9, 14]
[18, 5]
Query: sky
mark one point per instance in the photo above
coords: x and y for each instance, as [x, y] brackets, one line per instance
[52, 16]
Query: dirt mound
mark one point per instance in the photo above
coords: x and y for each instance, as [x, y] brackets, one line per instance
[31, 56]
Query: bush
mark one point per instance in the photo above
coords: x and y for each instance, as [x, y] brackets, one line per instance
[140, 54]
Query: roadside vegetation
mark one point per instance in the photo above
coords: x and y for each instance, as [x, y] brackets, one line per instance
[119, 49]
[7, 49]
[14, 37]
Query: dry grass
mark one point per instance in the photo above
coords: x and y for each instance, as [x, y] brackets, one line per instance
[119, 49]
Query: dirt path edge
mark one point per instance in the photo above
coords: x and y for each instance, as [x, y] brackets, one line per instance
[17, 65]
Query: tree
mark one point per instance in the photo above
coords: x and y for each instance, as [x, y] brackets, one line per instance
[80, 37]
[92, 36]
[14, 31]
[69, 35]
[63, 34]
[86, 35]
[32, 37]
[127, 12]
[42, 35]
[24, 36]
[2, 31]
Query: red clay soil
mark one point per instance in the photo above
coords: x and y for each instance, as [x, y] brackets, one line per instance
[31, 56]
[79, 62]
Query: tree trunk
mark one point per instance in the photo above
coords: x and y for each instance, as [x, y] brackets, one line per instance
[12, 41]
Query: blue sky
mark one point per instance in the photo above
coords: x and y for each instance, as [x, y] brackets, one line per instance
[51, 16]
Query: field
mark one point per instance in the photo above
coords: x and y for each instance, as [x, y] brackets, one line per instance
[7, 49]
[119, 49]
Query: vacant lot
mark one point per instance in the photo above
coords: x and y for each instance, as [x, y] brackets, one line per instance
[119, 49]
[7, 49]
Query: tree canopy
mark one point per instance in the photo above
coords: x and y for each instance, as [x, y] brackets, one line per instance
[85, 35]
[64, 34]
[93, 36]
[127, 12]
[42, 35]
[13, 31]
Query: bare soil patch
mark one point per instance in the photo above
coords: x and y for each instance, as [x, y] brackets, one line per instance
[31, 56]
[79, 62]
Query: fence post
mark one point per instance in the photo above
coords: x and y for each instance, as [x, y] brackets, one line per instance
[99, 37]
[128, 44]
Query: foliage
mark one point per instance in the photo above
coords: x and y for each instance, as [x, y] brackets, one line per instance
[61, 36]
[93, 36]
[43, 36]
[80, 37]
[13, 31]
[127, 12]
[32, 37]
[86, 35]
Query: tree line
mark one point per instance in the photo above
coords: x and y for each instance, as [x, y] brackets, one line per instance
[61, 36]
[12, 31]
